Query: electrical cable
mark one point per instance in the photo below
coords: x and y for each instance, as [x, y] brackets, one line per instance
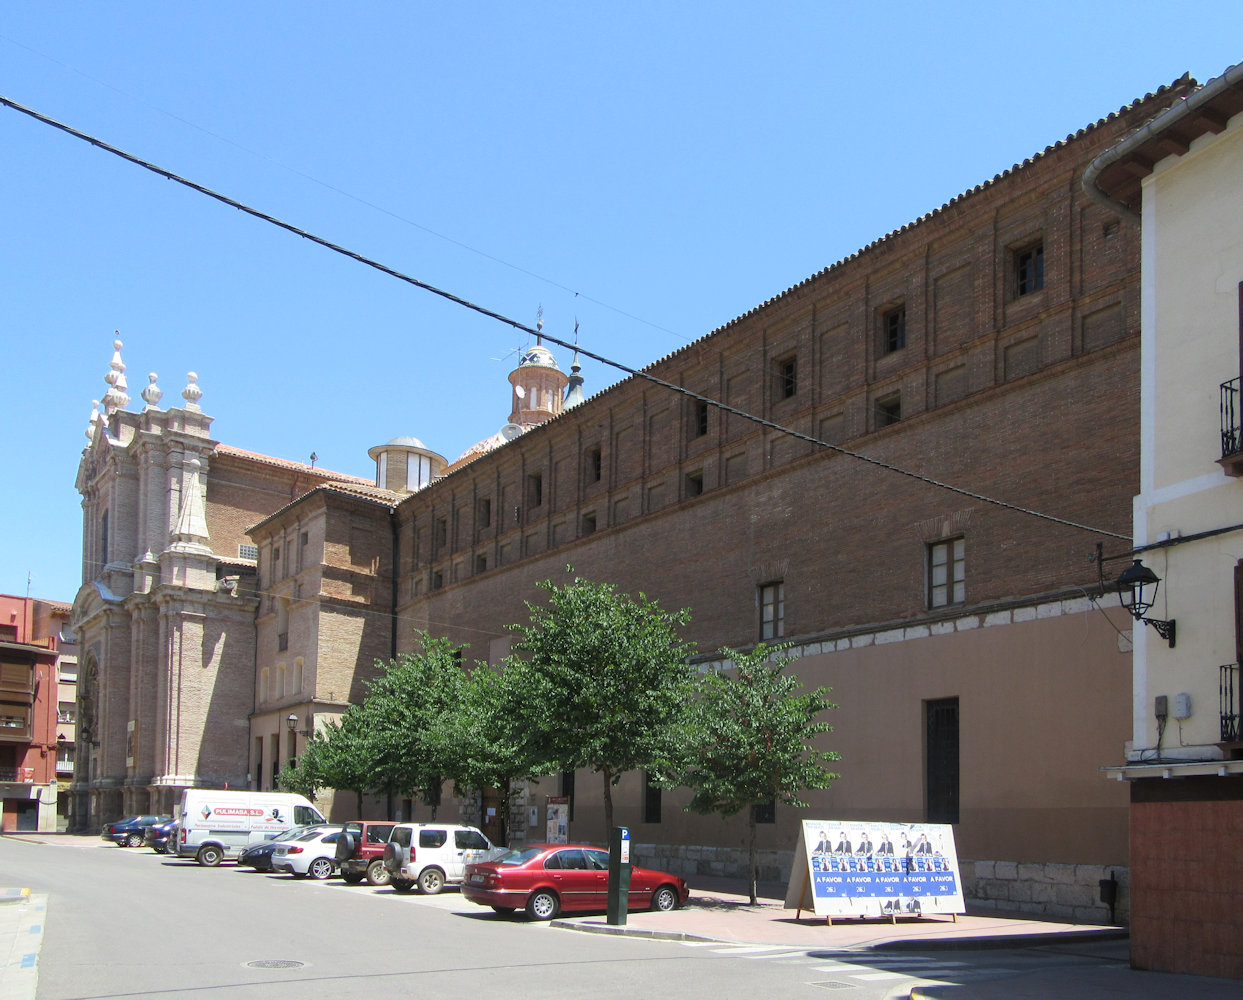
[353, 197]
[500, 318]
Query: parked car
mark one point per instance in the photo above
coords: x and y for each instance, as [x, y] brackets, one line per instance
[433, 855]
[157, 835]
[360, 851]
[313, 854]
[259, 857]
[128, 832]
[545, 879]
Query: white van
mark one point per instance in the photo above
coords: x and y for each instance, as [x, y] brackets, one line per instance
[221, 824]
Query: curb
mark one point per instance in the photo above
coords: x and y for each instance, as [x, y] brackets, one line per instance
[1001, 942]
[643, 932]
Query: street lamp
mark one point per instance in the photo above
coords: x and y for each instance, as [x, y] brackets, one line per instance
[291, 723]
[1137, 589]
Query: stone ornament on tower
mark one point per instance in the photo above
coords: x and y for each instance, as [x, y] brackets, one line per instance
[94, 421]
[116, 398]
[192, 393]
[152, 394]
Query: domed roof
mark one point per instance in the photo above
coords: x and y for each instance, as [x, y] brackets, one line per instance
[538, 355]
[406, 441]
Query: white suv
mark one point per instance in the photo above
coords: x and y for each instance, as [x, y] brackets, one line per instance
[433, 855]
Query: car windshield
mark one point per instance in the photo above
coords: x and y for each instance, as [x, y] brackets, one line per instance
[516, 857]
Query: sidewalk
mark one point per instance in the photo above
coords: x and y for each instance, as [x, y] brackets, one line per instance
[718, 911]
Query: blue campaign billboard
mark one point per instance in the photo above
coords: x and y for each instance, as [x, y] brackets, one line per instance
[853, 868]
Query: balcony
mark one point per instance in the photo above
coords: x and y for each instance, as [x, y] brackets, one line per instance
[1228, 700]
[17, 774]
[1231, 432]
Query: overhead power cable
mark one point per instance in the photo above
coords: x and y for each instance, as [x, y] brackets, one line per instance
[483, 311]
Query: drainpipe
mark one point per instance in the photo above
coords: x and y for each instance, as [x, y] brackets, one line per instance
[1149, 130]
[392, 641]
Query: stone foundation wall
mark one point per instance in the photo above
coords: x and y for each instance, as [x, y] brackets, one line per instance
[1061, 892]
[1055, 891]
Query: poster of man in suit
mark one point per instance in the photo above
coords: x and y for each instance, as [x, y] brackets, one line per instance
[865, 874]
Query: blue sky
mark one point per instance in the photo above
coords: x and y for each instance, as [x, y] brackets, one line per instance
[651, 170]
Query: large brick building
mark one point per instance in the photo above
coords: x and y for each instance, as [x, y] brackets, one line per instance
[166, 613]
[991, 345]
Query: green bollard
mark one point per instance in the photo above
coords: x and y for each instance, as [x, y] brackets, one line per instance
[619, 875]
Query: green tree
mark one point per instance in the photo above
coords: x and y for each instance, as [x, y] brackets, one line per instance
[338, 756]
[749, 741]
[401, 711]
[605, 679]
[485, 743]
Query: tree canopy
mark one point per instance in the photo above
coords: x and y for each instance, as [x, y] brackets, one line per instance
[749, 740]
[605, 679]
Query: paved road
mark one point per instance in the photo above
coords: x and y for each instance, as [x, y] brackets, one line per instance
[121, 924]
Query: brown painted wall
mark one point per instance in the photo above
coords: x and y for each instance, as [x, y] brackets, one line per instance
[1185, 875]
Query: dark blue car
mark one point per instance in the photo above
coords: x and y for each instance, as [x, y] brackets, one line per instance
[128, 832]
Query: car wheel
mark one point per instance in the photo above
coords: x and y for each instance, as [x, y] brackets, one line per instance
[352, 879]
[320, 868]
[134, 840]
[209, 856]
[401, 884]
[665, 899]
[504, 911]
[431, 881]
[543, 905]
[377, 874]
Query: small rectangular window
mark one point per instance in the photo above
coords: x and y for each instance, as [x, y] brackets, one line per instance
[481, 563]
[888, 410]
[483, 512]
[1028, 270]
[594, 465]
[699, 418]
[589, 524]
[893, 329]
[694, 483]
[440, 533]
[771, 598]
[438, 579]
[535, 489]
[947, 573]
[245, 551]
[785, 374]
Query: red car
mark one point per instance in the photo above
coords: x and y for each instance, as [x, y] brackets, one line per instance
[545, 879]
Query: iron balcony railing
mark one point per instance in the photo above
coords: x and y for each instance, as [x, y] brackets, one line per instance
[1228, 698]
[24, 774]
[1231, 433]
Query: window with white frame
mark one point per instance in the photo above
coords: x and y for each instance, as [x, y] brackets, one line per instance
[947, 573]
[772, 609]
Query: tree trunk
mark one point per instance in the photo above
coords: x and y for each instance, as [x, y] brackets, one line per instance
[751, 865]
[506, 795]
[608, 801]
[359, 793]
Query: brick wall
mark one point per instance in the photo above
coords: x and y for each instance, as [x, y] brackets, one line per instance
[1186, 874]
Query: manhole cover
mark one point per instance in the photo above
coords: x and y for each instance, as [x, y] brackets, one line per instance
[833, 984]
[275, 963]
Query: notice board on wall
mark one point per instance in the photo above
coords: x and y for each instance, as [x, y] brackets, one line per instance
[856, 868]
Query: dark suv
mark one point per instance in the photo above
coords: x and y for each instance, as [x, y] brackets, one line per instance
[360, 851]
